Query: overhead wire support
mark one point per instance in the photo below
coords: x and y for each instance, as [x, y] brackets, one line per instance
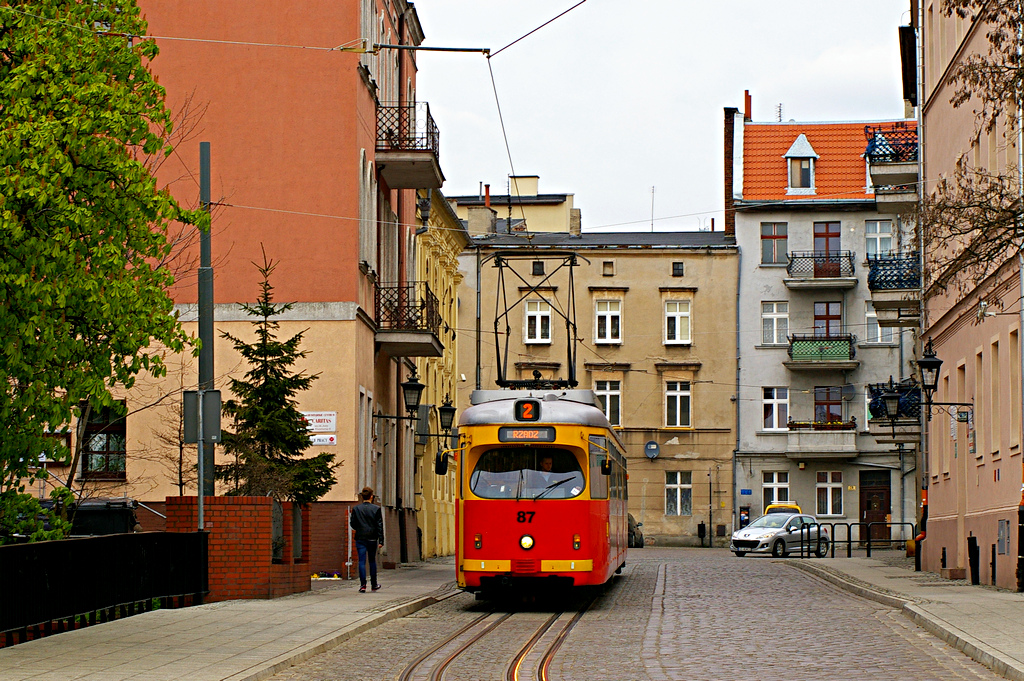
[486, 51]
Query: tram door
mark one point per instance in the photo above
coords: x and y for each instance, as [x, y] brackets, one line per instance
[876, 502]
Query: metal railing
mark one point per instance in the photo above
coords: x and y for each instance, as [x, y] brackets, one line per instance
[894, 272]
[867, 540]
[895, 143]
[808, 347]
[822, 425]
[407, 307]
[910, 400]
[820, 264]
[406, 127]
[54, 586]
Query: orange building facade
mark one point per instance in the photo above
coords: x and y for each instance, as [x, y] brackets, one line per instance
[318, 149]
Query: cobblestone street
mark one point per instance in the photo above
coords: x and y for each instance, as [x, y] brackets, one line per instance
[675, 614]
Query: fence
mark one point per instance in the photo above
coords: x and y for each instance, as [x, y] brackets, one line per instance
[48, 587]
[849, 541]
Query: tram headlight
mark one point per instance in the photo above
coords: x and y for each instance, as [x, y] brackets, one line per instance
[526, 541]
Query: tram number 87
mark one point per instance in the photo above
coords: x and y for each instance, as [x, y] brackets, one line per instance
[525, 516]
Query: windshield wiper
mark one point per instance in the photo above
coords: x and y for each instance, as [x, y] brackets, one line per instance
[519, 485]
[554, 485]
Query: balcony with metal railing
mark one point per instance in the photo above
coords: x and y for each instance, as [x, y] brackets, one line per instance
[822, 439]
[408, 144]
[408, 320]
[892, 154]
[894, 281]
[820, 269]
[809, 352]
[906, 426]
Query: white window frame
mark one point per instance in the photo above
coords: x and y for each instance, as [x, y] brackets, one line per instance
[779, 409]
[833, 489]
[775, 490]
[774, 315]
[609, 394]
[792, 188]
[537, 311]
[873, 333]
[679, 393]
[679, 484]
[674, 311]
[612, 311]
[877, 237]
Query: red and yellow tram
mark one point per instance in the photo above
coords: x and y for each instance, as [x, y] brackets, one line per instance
[541, 496]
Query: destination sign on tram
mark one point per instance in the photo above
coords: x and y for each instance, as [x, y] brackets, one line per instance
[526, 434]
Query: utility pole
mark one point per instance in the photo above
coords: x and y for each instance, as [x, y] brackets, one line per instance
[205, 322]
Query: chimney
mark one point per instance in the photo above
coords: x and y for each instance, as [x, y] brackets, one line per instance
[481, 220]
[730, 137]
[712, 224]
[747, 106]
[487, 195]
[575, 222]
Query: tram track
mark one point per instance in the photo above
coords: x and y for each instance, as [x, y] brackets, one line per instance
[531, 661]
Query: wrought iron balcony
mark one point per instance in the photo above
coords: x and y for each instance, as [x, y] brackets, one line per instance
[892, 143]
[809, 347]
[894, 272]
[820, 269]
[910, 400]
[408, 320]
[906, 427]
[408, 143]
[823, 425]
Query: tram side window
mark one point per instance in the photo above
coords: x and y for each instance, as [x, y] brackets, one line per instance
[527, 473]
[598, 482]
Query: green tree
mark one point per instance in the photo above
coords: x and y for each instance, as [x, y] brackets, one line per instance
[84, 253]
[270, 433]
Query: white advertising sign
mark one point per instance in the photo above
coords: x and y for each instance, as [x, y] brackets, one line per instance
[321, 421]
[323, 440]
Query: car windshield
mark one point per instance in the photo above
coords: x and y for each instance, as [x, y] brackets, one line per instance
[527, 473]
[772, 520]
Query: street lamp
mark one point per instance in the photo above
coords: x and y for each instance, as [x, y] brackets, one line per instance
[446, 414]
[930, 365]
[891, 400]
[412, 390]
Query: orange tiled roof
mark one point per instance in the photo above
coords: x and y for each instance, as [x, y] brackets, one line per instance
[840, 171]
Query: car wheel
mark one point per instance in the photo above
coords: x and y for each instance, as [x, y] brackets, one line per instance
[822, 548]
[779, 549]
[740, 554]
[639, 542]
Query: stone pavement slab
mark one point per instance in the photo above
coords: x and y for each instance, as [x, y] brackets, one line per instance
[984, 622]
[243, 640]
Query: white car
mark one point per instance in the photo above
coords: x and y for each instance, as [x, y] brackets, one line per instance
[780, 534]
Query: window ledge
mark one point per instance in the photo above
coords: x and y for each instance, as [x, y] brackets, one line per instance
[772, 432]
[774, 264]
[608, 342]
[536, 342]
[677, 343]
[772, 346]
[870, 344]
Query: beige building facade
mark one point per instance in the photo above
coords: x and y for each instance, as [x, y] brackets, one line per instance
[654, 328]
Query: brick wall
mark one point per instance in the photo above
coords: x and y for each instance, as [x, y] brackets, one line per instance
[150, 521]
[329, 548]
[240, 546]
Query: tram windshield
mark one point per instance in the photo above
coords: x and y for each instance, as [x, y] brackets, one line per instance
[527, 473]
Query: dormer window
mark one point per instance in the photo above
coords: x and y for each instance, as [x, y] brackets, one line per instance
[800, 160]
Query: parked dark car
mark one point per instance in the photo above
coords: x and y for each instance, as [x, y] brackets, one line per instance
[636, 536]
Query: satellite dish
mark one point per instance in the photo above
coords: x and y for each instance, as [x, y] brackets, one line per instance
[651, 449]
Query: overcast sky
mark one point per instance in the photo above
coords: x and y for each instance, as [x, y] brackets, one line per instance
[616, 97]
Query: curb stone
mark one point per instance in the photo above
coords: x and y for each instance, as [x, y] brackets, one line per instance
[953, 637]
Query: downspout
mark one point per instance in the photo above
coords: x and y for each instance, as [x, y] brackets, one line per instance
[1020, 332]
[736, 403]
[922, 454]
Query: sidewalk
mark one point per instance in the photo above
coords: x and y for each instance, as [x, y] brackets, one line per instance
[253, 639]
[230, 640]
[985, 623]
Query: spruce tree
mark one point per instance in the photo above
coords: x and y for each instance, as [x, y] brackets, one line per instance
[270, 432]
